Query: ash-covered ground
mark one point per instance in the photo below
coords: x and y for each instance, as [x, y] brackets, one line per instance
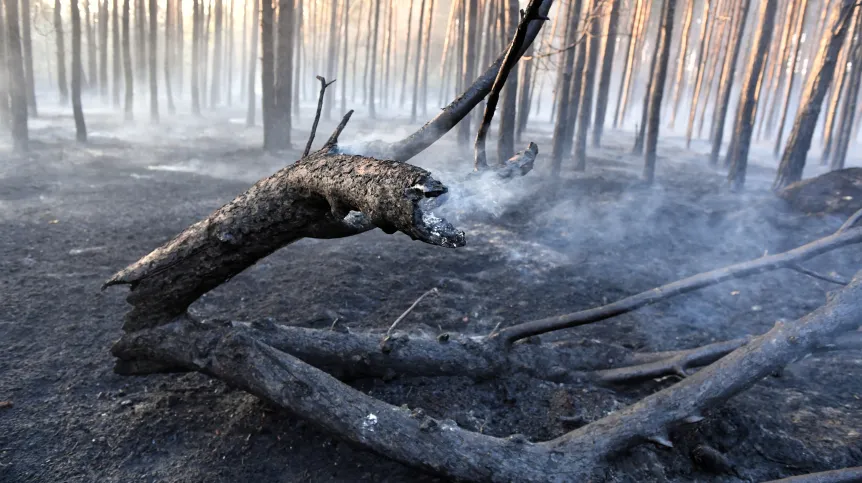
[71, 216]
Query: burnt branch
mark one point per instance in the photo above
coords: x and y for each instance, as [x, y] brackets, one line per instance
[323, 86]
[789, 259]
[817, 275]
[509, 60]
[846, 475]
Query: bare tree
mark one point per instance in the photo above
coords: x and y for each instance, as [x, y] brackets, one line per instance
[374, 33]
[700, 66]
[62, 83]
[468, 62]
[508, 111]
[252, 67]
[180, 42]
[558, 148]
[267, 76]
[791, 74]
[679, 83]
[215, 85]
[738, 154]
[796, 150]
[586, 101]
[141, 39]
[17, 80]
[92, 62]
[77, 70]
[27, 43]
[848, 112]
[331, 55]
[154, 76]
[283, 89]
[103, 49]
[607, 71]
[657, 88]
[5, 114]
[728, 73]
[115, 46]
[168, 61]
[127, 61]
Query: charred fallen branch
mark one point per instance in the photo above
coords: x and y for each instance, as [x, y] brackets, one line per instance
[846, 475]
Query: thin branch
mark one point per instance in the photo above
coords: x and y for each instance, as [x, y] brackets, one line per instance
[695, 282]
[323, 86]
[854, 218]
[410, 309]
[480, 161]
[817, 275]
[333, 139]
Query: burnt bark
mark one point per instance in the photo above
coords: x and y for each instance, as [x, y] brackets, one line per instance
[657, 89]
[215, 85]
[283, 89]
[508, 110]
[27, 44]
[17, 79]
[593, 45]
[77, 70]
[799, 142]
[564, 103]
[848, 112]
[602, 96]
[738, 154]
[267, 76]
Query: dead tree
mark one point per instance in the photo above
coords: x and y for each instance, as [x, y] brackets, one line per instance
[679, 83]
[592, 43]
[5, 115]
[128, 75]
[77, 70]
[180, 42]
[267, 76]
[848, 112]
[738, 154]
[508, 110]
[607, 71]
[62, 83]
[17, 80]
[563, 101]
[116, 63]
[252, 67]
[629, 57]
[283, 88]
[791, 75]
[332, 54]
[468, 62]
[330, 194]
[796, 150]
[417, 63]
[92, 63]
[103, 49]
[406, 67]
[728, 73]
[215, 85]
[168, 61]
[657, 86]
[196, 63]
[426, 59]
[141, 39]
[700, 66]
[346, 26]
[154, 76]
[27, 44]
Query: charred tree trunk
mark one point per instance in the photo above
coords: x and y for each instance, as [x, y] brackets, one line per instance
[469, 61]
[558, 148]
[834, 96]
[508, 111]
[640, 135]
[705, 33]
[791, 75]
[196, 60]
[17, 79]
[252, 67]
[116, 62]
[169, 30]
[848, 113]
[593, 44]
[103, 49]
[417, 65]
[728, 74]
[602, 96]
[639, 35]
[62, 84]
[27, 43]
[77, 69]
[796, 150]
[128, 75]
[657, 89]
[267, 77]
[284, 76]
[679, 83]
[525, 96]
[738, 155]
[215, 83]
[154, 74]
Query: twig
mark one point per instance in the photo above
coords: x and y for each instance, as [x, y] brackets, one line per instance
[333, 139]
[846, 475]
[766, 263]
[406, 312]
[512, 55]
[323, 86]
[817, 275]
[854, 218]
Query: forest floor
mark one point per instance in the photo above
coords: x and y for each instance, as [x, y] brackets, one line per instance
[71, 216]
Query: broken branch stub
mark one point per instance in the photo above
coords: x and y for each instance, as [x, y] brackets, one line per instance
[312, 197]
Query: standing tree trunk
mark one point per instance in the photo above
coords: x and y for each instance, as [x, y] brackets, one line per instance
[836, 92]
[127, 61]
[230, 49]
[423, 101]
[252, 66]
[657, 89]
[92, 66]
[797, 34]
[17, 80]
[332, 56]
[848, 113]
[418, 61]
[403, 97]
[679, 83]
[168, 57]
[103, 49]
[62, 84]
[738, 154]
[27, 40]
[180, 41]
[593, 43]
[558, 146]
[640, 136]
[796, 150]
[469, 61]
[215, 85]
[372, 109]
[154, 86]
[639, 36]
[629, 60]
[705, 33]
[607, 71]
[204, 50]
[728, 73]
[525, 96]
[283, 89]
[77, 69]
[267, 76]
[508, 111]
[344, 45]
[4, 74]
[197, 15]
[115, 45]
[244, 57]
[140, 39]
